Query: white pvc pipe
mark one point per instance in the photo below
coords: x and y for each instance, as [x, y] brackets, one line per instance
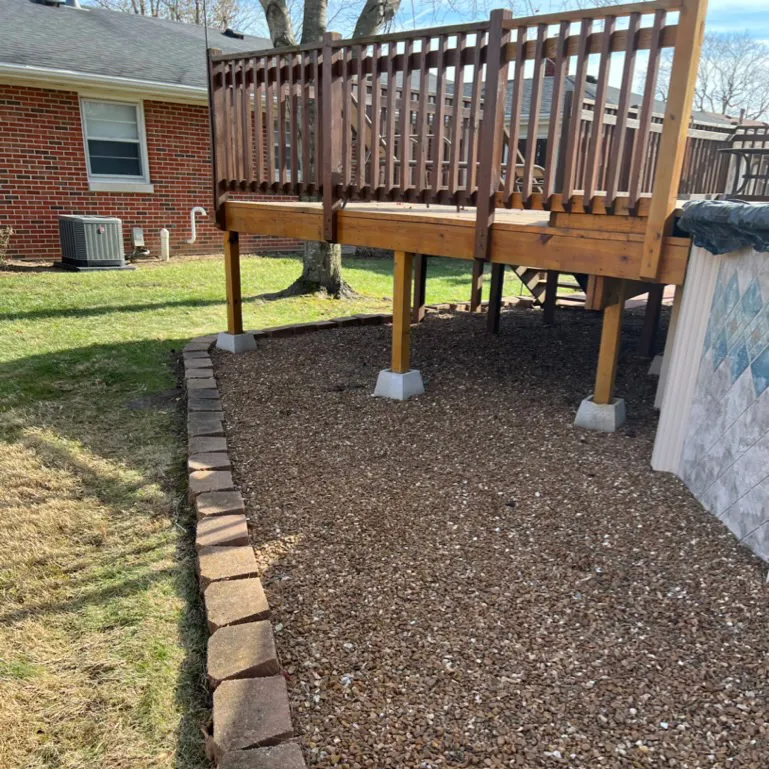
[165, 244]
[195, 210]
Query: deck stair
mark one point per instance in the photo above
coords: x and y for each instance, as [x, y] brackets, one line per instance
[535, 282]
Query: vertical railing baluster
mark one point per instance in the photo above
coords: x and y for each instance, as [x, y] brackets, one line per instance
[575, 122]
[438, 127]
[535, 104]
[317, 124]
[376, 109]
[647, 109]
[422, 146]
[475, 116]
[306, 132]
[258, 122]
[557, 114]
[360, 128]
[405, 120]
[596, 131]
[346, 120]
[282, 101]
[389, 182]
[270, 78]
[618, 147]
[457, 122]
[248, 143]
[514, 126]
[293, 117]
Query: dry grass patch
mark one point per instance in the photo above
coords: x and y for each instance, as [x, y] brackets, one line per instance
[101, 634]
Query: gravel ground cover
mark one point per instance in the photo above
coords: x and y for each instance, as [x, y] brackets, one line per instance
[466, 579]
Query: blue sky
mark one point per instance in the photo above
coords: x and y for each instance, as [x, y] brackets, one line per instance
[739, 15]
[723, 15]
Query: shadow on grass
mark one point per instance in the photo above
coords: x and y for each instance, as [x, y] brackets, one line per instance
[90, 312]
[128, 463]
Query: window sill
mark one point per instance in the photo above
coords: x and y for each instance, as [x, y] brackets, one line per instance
[99, 186]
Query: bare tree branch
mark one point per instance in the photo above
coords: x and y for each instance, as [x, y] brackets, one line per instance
[733, 76]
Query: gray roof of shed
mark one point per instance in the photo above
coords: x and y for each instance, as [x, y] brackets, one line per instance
[101, 42]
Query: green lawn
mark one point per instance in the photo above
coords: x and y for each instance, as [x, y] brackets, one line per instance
[101, 632]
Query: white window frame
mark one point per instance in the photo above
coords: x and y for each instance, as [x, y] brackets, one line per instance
[107, 182]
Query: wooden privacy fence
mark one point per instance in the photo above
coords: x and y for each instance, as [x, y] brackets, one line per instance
[445, 115]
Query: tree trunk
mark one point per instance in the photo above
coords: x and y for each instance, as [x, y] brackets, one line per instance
[322, 262]
[321, 272]
[375, 15]
[279, 23]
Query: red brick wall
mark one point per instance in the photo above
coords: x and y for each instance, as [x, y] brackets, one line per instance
[43, 173]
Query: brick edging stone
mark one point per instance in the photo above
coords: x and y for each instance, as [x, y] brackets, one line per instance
[251, 716]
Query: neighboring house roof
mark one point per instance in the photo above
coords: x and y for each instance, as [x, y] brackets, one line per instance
[110, 44]
[612, 97]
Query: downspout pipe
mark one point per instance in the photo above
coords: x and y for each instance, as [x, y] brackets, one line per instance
[195, 210]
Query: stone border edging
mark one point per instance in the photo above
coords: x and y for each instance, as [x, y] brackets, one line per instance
[252, 725]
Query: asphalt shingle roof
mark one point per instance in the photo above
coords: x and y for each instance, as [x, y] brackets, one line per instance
[102, 42]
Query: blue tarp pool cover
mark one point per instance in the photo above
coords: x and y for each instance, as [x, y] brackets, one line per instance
[722, 226]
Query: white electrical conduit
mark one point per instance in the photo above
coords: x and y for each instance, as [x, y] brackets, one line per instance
[195, 210]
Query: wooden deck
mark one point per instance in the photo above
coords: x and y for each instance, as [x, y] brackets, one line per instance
[607, 246]
[374, 132]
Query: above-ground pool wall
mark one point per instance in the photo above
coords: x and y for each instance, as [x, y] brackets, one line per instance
[714, 421]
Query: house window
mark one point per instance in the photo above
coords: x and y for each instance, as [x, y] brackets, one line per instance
[114, 141]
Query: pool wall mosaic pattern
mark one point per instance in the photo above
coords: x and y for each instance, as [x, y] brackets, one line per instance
[725, 459]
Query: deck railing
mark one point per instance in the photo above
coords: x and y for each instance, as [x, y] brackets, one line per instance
[444, 115]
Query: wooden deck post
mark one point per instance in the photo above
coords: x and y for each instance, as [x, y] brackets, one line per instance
[476, 286]
[651, 320]
[672, 144]
[495, 297]
[608, 353]
[420, 288]
[232, 279]
[551, 296]
[401, 345]
[492, 131]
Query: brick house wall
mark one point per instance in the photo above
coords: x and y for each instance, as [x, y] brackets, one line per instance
[43, 174]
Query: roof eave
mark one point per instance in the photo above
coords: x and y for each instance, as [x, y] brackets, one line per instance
[70, 80]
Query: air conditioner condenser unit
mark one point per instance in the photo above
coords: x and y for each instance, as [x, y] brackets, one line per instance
[92, 243]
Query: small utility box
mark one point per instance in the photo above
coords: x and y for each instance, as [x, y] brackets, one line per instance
[92, 243]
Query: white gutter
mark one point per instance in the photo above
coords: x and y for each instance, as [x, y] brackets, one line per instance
[63, 79]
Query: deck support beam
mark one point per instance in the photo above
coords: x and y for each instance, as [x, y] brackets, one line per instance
[399, 382]
[476, 285]
[608, 354]
[420, 288]
[401, 346]
[495, 297]
[651, 321]
[234, 340]
[551, 296]
[602, 411]
[232, 279]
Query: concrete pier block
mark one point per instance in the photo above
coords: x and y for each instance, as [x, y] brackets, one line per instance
[399, 387]
[603, 417]
[235, 342]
